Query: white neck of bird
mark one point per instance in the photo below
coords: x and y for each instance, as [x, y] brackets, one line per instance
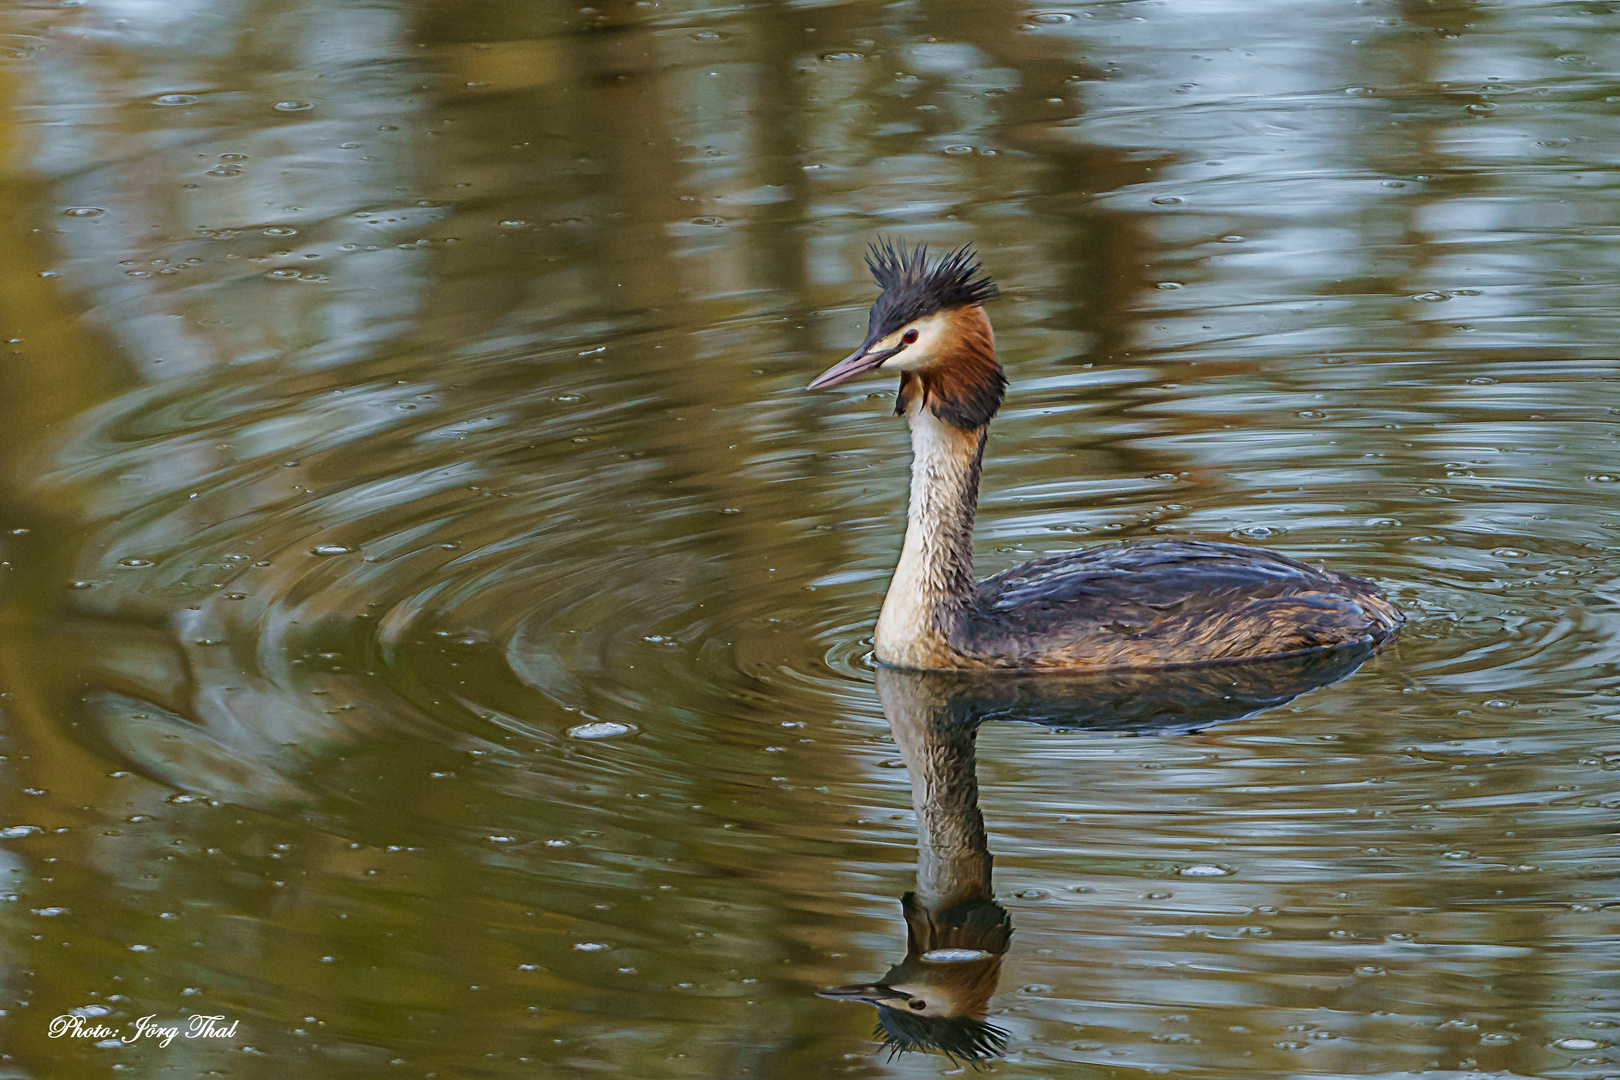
[934, 582]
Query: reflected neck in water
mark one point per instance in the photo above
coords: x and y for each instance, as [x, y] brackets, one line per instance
[956, 934]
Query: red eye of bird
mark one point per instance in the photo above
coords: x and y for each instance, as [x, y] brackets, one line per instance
[908, 337]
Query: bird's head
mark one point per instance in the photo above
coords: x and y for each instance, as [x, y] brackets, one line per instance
[932, 1010]
[928, 325]
[937, 998]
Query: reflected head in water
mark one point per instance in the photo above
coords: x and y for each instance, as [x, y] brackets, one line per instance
[938, 997]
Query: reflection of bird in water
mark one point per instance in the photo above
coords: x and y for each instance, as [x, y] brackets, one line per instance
[956, 933]
[1148, 604]
[938, 997]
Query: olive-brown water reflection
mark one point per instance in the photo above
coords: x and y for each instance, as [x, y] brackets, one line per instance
[400, 397]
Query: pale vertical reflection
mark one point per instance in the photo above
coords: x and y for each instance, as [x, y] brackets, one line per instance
[231, 184]
[216, 139]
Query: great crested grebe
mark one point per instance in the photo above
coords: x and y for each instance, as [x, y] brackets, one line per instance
[1143, 605]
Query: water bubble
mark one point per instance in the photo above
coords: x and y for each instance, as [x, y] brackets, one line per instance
[1482, 107]
[283, 275]
[225, 170]
[959, 149]
[1604, 478]
[1577, 1044]
[1431, 297]
[705, 221]
[292, 106]
[1204, 870]
[1166, 200]
[279, 230]
[175, 99]
[1234, 238]
[1052, 18]
[12, 832]
[710, 35]
[953, 956]
[84, 211]
[602, 729]
[331, 549]
[135, 563]
[1168, 286]
[843, 57]
[591, 946]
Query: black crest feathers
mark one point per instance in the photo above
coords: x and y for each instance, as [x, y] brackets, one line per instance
[912, 288]
[959, 1038]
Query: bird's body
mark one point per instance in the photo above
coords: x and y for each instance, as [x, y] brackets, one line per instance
[1163, 604]
[1145, 605]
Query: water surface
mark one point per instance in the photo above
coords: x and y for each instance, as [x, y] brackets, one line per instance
[434, 626]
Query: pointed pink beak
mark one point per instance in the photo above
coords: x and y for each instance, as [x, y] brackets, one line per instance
[871, 993]
[856, 363]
